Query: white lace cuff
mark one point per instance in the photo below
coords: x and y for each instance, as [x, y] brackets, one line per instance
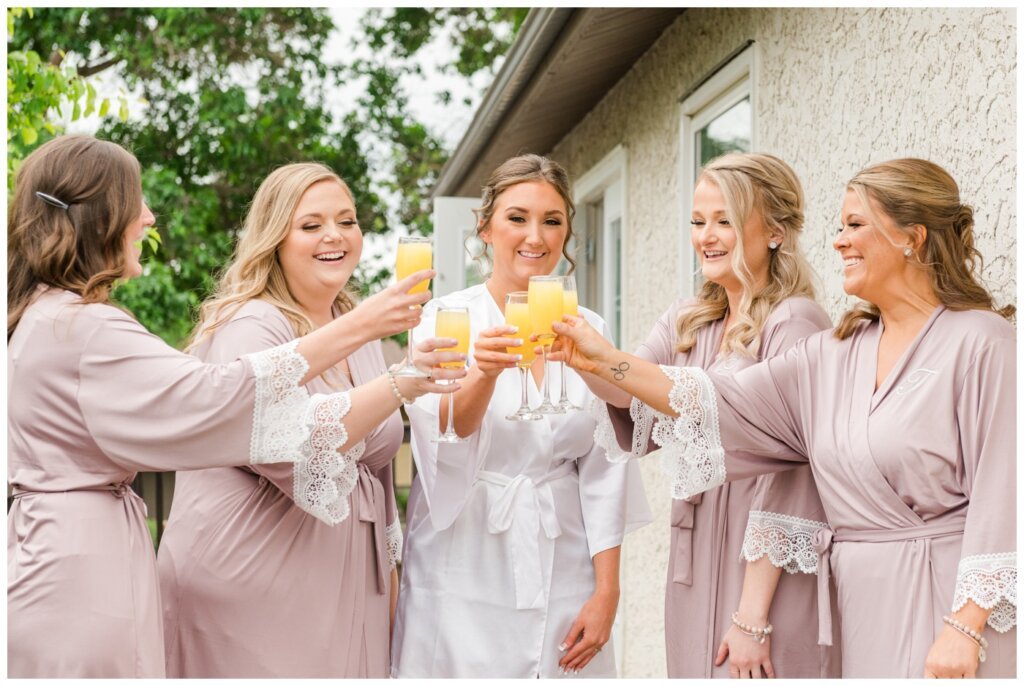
[278, 432]
[692, 452]
[324, 478]
[786, 540]
[604, 433]
[393, 540]
[991, 582]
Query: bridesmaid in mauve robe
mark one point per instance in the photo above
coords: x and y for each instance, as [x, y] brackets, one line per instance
[711, 536]
[94, 398]
[917, 477]
[262, 576]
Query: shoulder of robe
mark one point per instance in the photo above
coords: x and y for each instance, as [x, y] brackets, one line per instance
[799, 307]
[978, 327]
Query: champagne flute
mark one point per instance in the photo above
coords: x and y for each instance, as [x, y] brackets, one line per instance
[517, 313]
[571, 306]
[414, 254]
[545, 302]
[452, 322]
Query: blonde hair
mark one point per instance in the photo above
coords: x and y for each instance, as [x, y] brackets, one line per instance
[749, 183]
[914, 191]
[521, 169]
[80, 249]
[255, 271]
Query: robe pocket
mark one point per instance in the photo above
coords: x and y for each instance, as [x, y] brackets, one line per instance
[682, 541]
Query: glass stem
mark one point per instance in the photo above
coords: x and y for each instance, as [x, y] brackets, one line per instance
[547, 377]
[451, 414]
[410, 348]
[564, 397]
[525, 405]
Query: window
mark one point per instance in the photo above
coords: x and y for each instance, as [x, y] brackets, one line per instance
[717, 117]
[598, 240]
[455, 245]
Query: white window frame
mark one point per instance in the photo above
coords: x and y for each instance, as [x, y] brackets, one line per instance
[602, 183]
[454, 222]
[730, 84]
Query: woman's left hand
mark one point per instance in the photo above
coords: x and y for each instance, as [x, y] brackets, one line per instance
[590, 631]
[952, 656]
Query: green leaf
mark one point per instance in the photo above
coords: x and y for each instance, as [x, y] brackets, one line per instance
[29, 135]
[104, 107]
[122, 112]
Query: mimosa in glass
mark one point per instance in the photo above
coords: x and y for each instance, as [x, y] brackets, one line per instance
[415, 253]
[452, 322]
[570, 306]
[546, 303]
[517, 313]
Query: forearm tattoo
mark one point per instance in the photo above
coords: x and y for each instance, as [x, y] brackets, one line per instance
[619, 373]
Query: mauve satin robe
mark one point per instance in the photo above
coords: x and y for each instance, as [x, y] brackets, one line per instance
[716, 532]
[256, 581]
[502, 530]
[918, 477]
[93, 398]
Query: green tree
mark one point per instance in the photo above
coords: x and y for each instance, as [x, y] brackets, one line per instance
[234, 93]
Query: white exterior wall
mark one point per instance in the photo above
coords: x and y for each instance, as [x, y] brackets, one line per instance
[836, 89]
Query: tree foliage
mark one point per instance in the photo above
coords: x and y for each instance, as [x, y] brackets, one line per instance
[229, 95]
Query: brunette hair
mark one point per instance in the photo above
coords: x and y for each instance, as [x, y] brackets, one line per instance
[81, 248]
[521, 169]
[913, 191]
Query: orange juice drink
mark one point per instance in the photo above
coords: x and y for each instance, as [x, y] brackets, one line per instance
[546, 303]
[518, 314]
[570, 303]
[414, 257]
[453, 323]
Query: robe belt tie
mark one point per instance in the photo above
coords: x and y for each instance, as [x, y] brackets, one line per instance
[825, 537]
[523, 508]
[369, 492]
[133, 505]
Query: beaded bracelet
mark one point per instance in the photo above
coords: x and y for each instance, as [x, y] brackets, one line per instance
[970, 633]
[394, 388]
[756, 633]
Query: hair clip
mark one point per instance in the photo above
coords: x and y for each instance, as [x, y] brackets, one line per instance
[50, 200]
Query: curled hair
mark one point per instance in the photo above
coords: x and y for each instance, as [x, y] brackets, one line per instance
[255, 271]
[913, 191]
[763, 184]
[79, 249]
[521, 169]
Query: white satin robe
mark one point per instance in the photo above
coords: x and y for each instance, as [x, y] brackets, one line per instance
[502, 529]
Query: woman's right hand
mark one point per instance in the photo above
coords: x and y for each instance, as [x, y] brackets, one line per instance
[489, 350]
[429, 357]
[579, 345]
[393, 309]
[747, 657]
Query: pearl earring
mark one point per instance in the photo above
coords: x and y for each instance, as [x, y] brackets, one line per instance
[907, 252]
[773, 245]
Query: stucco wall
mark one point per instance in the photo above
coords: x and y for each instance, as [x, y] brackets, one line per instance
[837, 89]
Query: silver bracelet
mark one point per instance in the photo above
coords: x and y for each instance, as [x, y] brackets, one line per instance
[970, 633]
[757, 633]
[394, 388]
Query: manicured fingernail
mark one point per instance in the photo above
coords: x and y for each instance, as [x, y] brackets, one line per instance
[561, 670]
[513, 329]
[519, 357]
[562, 646]
[519, 341]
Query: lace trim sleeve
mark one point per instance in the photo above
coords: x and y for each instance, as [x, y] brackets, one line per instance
[991, 582]
[290, 426]
[393, 540]
[604, 433]
[692, 453]
[786, 540]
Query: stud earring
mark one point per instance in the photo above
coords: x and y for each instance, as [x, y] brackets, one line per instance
[773, 245]
[907, 252]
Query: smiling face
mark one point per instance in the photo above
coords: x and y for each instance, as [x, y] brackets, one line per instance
[871, 248]
[133, 235]
[526, 232]
[714, 238]
[323, 244]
